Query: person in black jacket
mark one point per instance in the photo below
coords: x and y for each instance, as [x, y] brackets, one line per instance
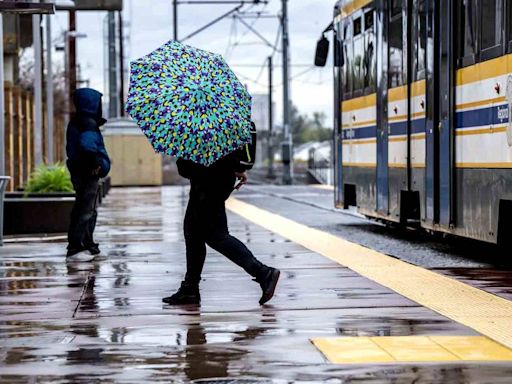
[87, 162]
[206, 224]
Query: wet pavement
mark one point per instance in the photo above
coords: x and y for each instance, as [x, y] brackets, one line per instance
[104, 321]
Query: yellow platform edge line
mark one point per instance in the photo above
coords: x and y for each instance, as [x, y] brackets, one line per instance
[484, 312]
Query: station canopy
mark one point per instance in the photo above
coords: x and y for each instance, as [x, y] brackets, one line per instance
[90, 5]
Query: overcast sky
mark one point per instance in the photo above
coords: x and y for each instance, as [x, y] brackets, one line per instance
[148, 24]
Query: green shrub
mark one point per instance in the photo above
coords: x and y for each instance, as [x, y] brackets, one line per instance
[49, 178]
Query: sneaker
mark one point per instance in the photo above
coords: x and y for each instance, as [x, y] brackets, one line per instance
[94, 250]
[186, 295]
[80, 256]
[268, 284]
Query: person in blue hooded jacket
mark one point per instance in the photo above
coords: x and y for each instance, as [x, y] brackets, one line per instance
[87, 161]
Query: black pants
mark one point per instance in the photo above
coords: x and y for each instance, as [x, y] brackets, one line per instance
[206, 224]
[84, 214]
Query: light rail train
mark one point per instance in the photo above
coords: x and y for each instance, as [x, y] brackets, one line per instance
[423, 127]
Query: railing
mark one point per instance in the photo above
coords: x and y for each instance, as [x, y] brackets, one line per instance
[320, 167]
[19, 139]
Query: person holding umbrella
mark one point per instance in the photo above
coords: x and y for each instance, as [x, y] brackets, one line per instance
[191, 106]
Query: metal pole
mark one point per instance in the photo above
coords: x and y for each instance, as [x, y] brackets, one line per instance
[112, 67]
[287, 155]
[121, 64]
[270, 173]
[72, 54]
[2, 118]
[38, 91]
[49, 89]
[67, 91]
[175, 17]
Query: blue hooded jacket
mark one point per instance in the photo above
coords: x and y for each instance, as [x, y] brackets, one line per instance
[85, 148]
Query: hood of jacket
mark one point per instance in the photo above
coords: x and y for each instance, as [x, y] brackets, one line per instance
[88, 103]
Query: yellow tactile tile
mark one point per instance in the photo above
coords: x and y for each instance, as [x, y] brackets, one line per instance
[473, 348]
[352, 350]
[411, 349]
[486, 313]
[414, 348]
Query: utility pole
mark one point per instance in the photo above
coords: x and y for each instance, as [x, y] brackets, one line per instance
[270, 173]
[38, 90]
[287, 155]
[175, 17]
[72, 54]
[2, 118]
[112, 67]
[121, 64]
[49, 89]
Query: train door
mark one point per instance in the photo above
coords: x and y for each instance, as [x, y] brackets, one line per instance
[393, 108]
[439, 171]
[382, 176]
[338, 97]
[420, 109]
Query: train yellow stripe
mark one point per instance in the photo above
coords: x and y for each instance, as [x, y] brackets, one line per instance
[418, 114]
[360, 124]
[485, 165]
[397, 94]
[418, 88]
[360, 141]
[359, 103]
[397, 139]
[353, 6]
[485, 70]
[418, 136]
[483, 131]
[480, 103]
[404, 165]
[399, 117]
[361, 165]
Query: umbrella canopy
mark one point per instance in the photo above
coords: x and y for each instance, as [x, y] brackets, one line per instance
[189, 103]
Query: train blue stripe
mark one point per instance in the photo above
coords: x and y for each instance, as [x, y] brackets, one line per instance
[397, 129]
[483, 116]
[463, 119]
[360, 133]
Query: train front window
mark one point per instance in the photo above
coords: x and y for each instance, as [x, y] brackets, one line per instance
[395, 46]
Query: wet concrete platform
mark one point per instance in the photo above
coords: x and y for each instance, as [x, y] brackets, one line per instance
[104, 321]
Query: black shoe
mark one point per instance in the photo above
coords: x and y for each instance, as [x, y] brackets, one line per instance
[187, 294]
[268, 283]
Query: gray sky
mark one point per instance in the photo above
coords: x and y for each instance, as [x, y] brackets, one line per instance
[149, 23]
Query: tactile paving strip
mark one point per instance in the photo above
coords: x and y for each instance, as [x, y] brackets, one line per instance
[408, 349]
[486, 313]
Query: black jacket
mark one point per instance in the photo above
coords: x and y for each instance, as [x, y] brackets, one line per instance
[216, 180]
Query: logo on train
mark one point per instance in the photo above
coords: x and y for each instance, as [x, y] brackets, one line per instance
[509, 105]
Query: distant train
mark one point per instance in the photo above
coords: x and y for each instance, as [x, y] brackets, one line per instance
[423, 127]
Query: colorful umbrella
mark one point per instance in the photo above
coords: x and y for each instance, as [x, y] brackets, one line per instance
[189, 103]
